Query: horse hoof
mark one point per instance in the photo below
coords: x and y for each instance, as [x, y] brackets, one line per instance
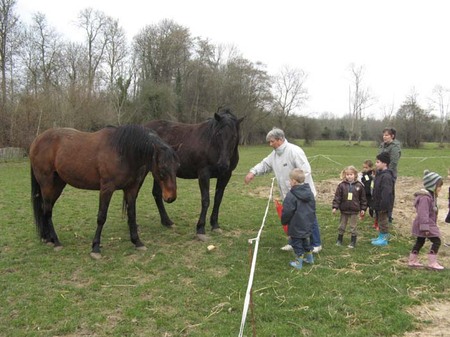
[141, 248]
[202, 237]
[217, 230]
[49, 243]
[58, 248]
[96, 256]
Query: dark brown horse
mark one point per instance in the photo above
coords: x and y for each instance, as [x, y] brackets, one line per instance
[113, 158]
[206, 150]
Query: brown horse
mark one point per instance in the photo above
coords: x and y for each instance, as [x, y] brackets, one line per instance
[206, 150]
[113, 158]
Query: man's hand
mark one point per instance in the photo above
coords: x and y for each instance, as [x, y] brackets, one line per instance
[248, 178]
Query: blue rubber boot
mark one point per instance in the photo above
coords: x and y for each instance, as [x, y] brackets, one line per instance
[298, 263]
[377, 238]
[309, 258]
[382, 241]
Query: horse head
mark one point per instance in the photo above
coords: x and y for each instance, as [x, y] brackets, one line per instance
[226, 137]
[164, 170]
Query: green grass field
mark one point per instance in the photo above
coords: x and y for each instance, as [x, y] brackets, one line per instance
[179, 288]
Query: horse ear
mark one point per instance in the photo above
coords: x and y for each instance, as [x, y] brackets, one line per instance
[217, 117]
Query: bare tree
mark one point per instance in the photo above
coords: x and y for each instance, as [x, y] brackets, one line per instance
[44, 53]
[388, 112]
[42, 58]
[410, 120]
[359, 99]
[117, 69]
[289, 93]
[116, 51]
[7, 22]
[9, 34]
[162, 53]
[95, 25]
[441, 103]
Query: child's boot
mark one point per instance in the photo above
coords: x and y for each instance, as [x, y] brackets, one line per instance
[413, 261]
[382, 240]
[339, 239]
[298, 263]
[309, 258]
[432, 262]
[377, 238]
[352, 242]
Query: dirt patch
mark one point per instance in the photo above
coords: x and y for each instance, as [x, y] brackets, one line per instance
[433, 318]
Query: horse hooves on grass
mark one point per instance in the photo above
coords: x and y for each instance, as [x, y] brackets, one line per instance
[96, 256]
[202, 237]
[57, 248]
[217, 230]
[141, 248]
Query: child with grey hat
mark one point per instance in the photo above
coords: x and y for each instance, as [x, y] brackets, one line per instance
[425, 225]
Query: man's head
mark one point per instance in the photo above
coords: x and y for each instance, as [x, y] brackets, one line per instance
[275, 137]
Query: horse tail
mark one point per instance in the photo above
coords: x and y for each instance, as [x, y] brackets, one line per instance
[38, 204]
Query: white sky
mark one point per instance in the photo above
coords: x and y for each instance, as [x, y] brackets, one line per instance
[402, 44]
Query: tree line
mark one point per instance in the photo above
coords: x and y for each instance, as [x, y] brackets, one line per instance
[166, 73]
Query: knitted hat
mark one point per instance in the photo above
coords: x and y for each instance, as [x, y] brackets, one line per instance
[384, 158]
[430, 180]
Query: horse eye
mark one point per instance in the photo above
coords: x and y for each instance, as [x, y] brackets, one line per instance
[162, 175]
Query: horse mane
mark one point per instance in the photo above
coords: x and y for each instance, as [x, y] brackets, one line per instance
[134, 143]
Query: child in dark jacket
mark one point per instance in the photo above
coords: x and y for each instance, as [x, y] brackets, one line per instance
[383, 197]
[350, 200]
[299, 213]
[366, 178]
[425, 225]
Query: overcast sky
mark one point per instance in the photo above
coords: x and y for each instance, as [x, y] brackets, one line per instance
[403, 45]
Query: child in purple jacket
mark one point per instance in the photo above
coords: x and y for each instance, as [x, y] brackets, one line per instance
[425, 225]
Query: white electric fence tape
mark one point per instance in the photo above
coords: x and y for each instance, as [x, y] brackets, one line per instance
[252, 269]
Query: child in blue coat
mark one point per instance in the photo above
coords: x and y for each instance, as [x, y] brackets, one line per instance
[299, 213]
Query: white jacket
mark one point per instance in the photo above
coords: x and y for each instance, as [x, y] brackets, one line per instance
[281, 161]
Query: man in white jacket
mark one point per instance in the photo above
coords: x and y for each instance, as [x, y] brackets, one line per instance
[285, 157]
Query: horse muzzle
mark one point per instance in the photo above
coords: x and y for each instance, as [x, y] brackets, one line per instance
[170, 199]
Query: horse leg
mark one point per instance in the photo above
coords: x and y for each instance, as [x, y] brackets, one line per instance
[222, 182]
[105, 199]
[50, 237]
[157, 195]
[50, 193]
[203, 181]
[130, 202]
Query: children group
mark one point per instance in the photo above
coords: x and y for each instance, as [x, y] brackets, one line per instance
[371, 190]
